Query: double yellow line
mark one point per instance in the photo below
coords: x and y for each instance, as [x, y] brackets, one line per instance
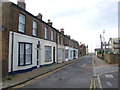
[39, 77]
[93, 80]
[93, 84]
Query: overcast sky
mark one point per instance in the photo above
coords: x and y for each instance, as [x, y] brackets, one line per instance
[83, 20]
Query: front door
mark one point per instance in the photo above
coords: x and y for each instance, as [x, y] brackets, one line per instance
[53, 54]
[38, 57]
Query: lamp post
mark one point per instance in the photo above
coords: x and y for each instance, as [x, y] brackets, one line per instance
[104, 42]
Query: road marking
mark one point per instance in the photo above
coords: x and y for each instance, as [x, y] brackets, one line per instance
[98, 77]
[42, 76]
[109, 84]
[91, 83]
[83, 65]
[94, 83]
[109, 76]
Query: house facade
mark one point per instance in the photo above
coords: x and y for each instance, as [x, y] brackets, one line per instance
[114, 45]
[28, 42]
[83, 50]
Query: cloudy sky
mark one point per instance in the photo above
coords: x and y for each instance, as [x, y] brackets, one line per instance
[83, 20]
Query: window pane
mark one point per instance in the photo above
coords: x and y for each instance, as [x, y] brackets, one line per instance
[28, 58]
[66, 53]
[28, 48]
[22, 18]
[21, 59]
[34, 32]
[21, 54]
[60, 54]
[48, 53]
[28, 53]
[34, 24]
[46, 32]
[21, 27]
[51, 35]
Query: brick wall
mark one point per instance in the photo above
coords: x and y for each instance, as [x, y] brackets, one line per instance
[112, 58]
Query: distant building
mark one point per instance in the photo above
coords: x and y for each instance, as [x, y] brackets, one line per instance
[83, 50]
[114, 45]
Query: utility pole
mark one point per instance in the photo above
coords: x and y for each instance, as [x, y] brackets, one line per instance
[101, 44]
[104, 44]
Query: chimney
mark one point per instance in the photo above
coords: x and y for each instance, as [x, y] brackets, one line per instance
[21, 3]
[62, 30]
[49, 22]
[69, 36]
[39, 16]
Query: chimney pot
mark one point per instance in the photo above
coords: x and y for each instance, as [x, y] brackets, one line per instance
[62, 30]
[39, 16]
[49, 22]
[21, 3]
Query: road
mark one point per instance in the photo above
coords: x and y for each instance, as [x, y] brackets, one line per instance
[109, 80]
[77, 75]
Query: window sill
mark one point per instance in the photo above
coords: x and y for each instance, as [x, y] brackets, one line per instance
[25, 65]
[48, 61]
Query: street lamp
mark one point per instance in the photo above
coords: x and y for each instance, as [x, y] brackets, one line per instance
[104, 43]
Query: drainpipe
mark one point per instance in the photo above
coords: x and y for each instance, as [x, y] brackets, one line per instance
[12, 51]
[12, 35]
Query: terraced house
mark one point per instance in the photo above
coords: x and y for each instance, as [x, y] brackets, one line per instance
[28, 42]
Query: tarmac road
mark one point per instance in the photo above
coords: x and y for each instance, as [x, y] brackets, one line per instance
[77, 75]
[109, 80]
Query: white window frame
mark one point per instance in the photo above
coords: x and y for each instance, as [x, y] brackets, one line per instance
[21, 27]
[52, 35]
[46, 33]
[35, 28]
[26, 54]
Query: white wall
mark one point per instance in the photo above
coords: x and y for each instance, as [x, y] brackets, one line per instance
[29, 39]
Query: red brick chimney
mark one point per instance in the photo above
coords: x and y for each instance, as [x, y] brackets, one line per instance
[21, 3]
[62, 30]
[49, 22]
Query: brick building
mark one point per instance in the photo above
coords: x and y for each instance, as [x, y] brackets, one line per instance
[28, 42]
[83, 50]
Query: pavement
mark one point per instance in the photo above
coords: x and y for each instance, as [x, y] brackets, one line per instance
[106, 74]
[14, 80]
